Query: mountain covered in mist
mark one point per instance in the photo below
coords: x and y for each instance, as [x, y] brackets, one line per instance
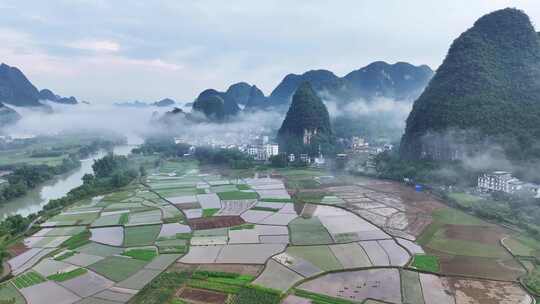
[7, 115]
[17, 90]
[486, 92]
[166, 102]
[306, 127]
[47, 94]
[237, 95]
[400, 81]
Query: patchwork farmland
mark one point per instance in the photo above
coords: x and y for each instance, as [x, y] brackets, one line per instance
[287, 236]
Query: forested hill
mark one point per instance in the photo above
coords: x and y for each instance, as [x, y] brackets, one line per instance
[307, 124]
[487, 90]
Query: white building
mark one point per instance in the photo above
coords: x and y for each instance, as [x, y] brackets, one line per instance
[496, 181]
[505, 182]
[271, 150]
[263, 152]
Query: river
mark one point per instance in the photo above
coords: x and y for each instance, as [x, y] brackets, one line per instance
[35, 199]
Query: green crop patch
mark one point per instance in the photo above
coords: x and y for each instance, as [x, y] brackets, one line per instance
[532, 281]
[64, 276]
[237, 195]
[209, 212]
[124, 218]
[77, 240]
[309, 231]
[426, 263]
[117, 268]
[226, 282]
[141, 235]
[65, 255]
[141, 254]
[243, 187]
[242, 227]
[10, 295]
[28, 279]
[256, 294]
[215, 286]
[162, 289]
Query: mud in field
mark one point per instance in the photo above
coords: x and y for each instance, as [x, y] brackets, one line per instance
[17, 249]
[507, 269]
[252, 270]
[482, 234]
[180, 267]
[215, 222]
[418, 222]
[203, 296]
[485, 292]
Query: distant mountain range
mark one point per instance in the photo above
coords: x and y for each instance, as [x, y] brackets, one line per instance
[17, 90]
[399, 81]
[166, 102]
[485, 94]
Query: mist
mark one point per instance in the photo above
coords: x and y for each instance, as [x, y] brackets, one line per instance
[374, 119]
[138, 123]
[241, 129]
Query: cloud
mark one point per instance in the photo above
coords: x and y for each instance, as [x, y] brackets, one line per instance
[139, 122]
[95, 45]
[202, 44]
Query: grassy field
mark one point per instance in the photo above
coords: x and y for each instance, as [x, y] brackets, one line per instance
[141, 235]
[209, 212]
[237, 195]
[77, 240]
[533, 280]
[243, 187]
[117, 268]
[9, 294]
[141, 254]
[320, 256]
[426, 262]
[435, 235]
[28, 279]
[64, 276]
[523, 246]
[410, 287]
[309, 231]
[256, 294]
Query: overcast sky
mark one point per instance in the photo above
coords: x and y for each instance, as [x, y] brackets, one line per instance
[106, 51]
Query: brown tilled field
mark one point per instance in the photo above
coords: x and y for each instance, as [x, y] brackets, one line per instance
[507, 269]
[491, 235]
[203, 296]
[215, 222]
[17, 249]
[485, 292]
[417, 223]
